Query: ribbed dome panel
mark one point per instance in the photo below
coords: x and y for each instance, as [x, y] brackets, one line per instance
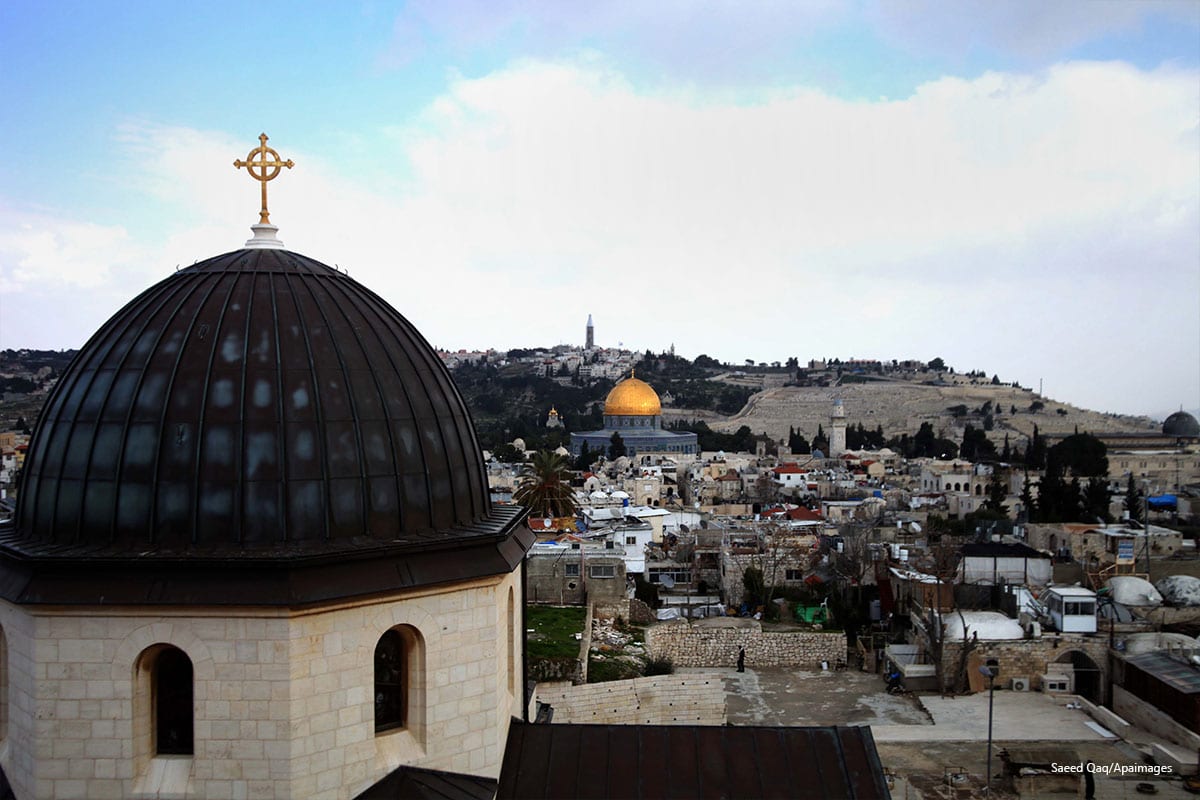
[259, 400]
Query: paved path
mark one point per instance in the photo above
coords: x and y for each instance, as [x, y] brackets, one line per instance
[1017, 717]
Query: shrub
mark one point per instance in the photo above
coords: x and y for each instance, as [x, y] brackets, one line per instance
[659, 666]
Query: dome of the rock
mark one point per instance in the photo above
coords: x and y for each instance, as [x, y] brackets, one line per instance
[632, 397]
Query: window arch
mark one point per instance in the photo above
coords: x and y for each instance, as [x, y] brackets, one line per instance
[391, 682]
[397, 679]
[173, 706]
[167, 692]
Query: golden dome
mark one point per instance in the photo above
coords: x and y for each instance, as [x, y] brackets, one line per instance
[632, 398]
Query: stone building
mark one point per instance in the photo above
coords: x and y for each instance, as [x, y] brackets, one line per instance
[254, 553]
[566, 575]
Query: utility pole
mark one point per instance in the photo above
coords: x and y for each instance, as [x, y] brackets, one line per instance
[990, 671]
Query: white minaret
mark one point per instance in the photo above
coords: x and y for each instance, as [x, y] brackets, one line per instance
[591, 334]
[837, 433]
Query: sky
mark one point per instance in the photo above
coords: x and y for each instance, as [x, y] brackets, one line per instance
[1013, 187]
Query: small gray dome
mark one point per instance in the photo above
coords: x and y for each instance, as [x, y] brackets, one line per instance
[1181, 423]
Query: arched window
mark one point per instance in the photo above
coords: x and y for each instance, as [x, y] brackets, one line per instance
[171, 688]
[391, 681]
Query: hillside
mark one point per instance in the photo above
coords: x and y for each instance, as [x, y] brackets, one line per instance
[900, 406]
[512, 401]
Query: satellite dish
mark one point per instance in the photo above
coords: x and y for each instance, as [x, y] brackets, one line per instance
[667, 581]
[548, 521]
[916, 526]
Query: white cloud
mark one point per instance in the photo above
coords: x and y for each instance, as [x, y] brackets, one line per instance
[36, 248]
[1028, 225]
[765, 230]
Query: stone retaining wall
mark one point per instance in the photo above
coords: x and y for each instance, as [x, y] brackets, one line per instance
[703, 644]
[657, 700]
[1031, 658]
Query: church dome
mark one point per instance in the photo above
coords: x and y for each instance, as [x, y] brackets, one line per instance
[257, 405]
[632, 398]
[1181, 423]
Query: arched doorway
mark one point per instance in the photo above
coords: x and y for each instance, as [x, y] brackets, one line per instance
[1089, 677]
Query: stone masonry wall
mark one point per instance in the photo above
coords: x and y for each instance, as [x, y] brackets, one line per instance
[690, 644]
[657, 700]
[1031, 658]
[284, 700]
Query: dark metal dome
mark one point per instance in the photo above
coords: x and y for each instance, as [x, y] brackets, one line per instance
[255, 405]
[1181, 423]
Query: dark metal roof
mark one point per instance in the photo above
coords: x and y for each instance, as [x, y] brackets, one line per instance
[256, 406]
[1171, 670]
[679, 761]
[413, 783]
[1001, 550]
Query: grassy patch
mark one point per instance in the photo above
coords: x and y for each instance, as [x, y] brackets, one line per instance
[553, 631]
[613, 668]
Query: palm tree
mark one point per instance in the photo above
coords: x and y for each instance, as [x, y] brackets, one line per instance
[543, 487]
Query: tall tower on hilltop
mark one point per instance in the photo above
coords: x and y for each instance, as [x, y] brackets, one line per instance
[837, 436]
[591, 334]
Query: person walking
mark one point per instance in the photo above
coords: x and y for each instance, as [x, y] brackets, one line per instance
[1089, 782]
[741, 659]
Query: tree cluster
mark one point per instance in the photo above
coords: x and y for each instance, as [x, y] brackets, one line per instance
[924, 444]
[743, 440]
[1062, 495]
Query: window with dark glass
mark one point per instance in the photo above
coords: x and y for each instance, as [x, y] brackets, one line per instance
[173, 703]
[390, 689]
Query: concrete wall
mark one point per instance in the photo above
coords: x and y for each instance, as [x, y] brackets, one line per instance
[714, 643]
[283, 700]
[547, 581]
[1149, 718]
[774, 564]
[657, 700]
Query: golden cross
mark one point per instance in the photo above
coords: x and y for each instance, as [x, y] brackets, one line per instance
[266, 171]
